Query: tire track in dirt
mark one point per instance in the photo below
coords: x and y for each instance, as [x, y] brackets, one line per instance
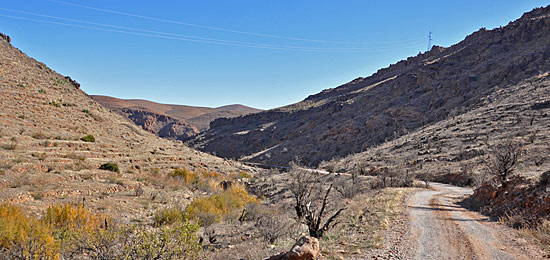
[443, 229]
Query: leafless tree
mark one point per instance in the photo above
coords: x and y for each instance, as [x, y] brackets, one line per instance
[503, 160]
[313, 201]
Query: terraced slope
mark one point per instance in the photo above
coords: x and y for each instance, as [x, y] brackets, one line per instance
[458, 145]
[43, 160]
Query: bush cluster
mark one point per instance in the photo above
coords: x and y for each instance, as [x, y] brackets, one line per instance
[69, 232]
[88, 138]
[219, 206]
[22, 237]
[110, 167]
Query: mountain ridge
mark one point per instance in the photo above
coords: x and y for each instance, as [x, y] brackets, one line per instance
[183, 121]
[392, 102]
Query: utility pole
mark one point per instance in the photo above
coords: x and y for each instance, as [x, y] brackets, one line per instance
[430, 41]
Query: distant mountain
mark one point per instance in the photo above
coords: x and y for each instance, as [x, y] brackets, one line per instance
[172, 121]
[393, 102]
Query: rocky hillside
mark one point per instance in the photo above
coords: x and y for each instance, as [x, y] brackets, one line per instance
[46, 156]
[394, 101]
[454, 149]
[162, 125]
[171, 121]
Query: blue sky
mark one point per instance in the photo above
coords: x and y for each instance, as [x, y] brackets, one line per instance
[306, 46]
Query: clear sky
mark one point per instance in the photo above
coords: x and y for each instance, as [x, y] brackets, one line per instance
[258, 53]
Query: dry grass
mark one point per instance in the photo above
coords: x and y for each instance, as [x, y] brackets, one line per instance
[368, 215]
[540, 233]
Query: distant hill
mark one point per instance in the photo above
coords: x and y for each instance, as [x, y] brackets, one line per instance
[406, 96]
[172, 121]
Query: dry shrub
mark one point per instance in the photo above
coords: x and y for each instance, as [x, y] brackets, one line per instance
[315, 206]
[272, 223]
[72, 226]
[203, 180]
[67, 216]
[168, 216]
[73, 232]
[219, 206]
[185, 175]
[390, 178]
[239, 175]
[22, 237]
[177, 241]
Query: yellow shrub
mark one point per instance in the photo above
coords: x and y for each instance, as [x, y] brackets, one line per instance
[168, 216]
[219, 206]
[187, 176]
[69, 217]
[244, 174]
[211, 175]
[23, 237]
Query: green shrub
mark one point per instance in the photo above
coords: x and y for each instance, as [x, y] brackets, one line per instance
[86, 111]
[55, 104]
[178, 241]
[110, 167]
[88, 138]
[43, 91]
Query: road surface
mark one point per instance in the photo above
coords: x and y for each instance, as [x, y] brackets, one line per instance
[442, 229]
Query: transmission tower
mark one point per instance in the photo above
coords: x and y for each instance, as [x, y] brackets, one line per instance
[430, 41]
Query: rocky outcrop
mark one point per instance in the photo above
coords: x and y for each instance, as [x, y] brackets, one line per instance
[528, 201]
[392, 102]
[162, 125]
[306, 248]
[5, 37]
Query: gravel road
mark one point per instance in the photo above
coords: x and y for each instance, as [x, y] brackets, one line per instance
[443, 229]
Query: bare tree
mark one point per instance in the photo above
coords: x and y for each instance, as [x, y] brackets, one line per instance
[313, 201]
[503, 160]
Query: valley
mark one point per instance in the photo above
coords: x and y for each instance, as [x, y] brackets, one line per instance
[443, 155]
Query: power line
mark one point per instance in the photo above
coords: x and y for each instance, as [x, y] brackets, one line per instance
[181, 38]
[202, 38]
[212, 27]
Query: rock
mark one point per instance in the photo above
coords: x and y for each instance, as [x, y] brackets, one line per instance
[306, 248]
[5, 37]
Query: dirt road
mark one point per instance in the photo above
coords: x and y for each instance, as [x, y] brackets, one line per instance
[443, 229]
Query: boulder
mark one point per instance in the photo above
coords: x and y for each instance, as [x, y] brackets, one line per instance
[305, 248]
[5, 37]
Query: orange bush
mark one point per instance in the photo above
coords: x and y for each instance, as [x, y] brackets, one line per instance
[23, 237]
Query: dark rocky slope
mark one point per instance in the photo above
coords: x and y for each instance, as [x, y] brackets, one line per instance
[392, 102]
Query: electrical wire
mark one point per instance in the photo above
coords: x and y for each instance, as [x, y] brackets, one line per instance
[238, 43]
[218, 28]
